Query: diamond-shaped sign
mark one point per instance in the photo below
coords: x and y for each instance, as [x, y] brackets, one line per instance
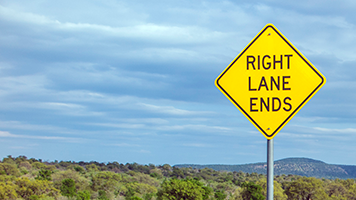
[270, 81]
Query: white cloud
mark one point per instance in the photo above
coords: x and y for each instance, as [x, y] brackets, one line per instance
[121, 126]
[196, 127]
[166, 109]
[196, 145]
[335, 131]
[27, 84]
[126, 145]
[10, 135]
[144, 151]
[6, 134]
[17, 125]
[163, 34]
[69, 109]
[15, 16]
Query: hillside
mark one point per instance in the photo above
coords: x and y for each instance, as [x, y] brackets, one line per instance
[296, 166]
[25, 179]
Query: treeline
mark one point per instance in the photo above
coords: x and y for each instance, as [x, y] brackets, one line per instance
[34, 179]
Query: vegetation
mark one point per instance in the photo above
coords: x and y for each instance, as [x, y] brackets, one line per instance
[32, 179]
[297, 166]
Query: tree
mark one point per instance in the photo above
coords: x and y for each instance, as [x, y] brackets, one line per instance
[44, 174]
[68, 187]
[175, 189]
[251, 191]
[177, 173]
[166, 170]
[79, 169]
[336, 189]
[92, 168]
[134, 198]
[105, 181]
[134, 188]
[27, 188]
[220, 195]
[102, 195]
[148, 196]
[39, 165]
[8, 190]
[9, 169]
[81, 182]
[9, 160]
[305, 188]
[278, 192]
[25, 164]
[83, 195]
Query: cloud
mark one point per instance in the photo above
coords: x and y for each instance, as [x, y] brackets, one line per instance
[335, 131]
[126, 145]
[144, 151]
[166, 109]
[144, 71]
[199, 145]
[119, 126]
[195, 127]
[17, 125]
[6, 134]
[10, 135]
[68, 108]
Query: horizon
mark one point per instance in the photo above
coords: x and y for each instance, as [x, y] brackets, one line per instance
[106, 162]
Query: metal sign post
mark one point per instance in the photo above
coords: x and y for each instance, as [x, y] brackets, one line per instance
[270, 164]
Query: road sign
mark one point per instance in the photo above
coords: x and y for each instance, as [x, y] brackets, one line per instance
[270, 81]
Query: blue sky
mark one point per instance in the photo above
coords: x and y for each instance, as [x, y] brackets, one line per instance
[133, 81]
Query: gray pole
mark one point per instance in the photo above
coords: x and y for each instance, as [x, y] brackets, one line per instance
[270, 164]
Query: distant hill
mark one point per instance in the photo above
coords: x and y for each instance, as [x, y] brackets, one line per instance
[296, 166]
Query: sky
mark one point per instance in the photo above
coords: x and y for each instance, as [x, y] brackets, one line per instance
[133, 80]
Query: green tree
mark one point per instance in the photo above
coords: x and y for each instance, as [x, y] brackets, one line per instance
[34, 197]
[140, 178]
[134, 188]
[129, 193]
[79, 169]
[25, 164]
[8, 190]
[336, 189]
[27, 188]
[39, 165]
[106, 181]
[135, 198]
[220, 195]
[9, 169]
[68, 187]
[278, 192]
[352, 192]
[305, 188]
[148, 196]
[83, 195]
[9, 160]
[251, 191]
[81, 181]
[44, 174]
[175, 189]
[177, 173]
[92, 168]
[166, 170]
[102, 195]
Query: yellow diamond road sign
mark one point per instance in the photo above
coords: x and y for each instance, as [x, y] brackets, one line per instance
[270, 81]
